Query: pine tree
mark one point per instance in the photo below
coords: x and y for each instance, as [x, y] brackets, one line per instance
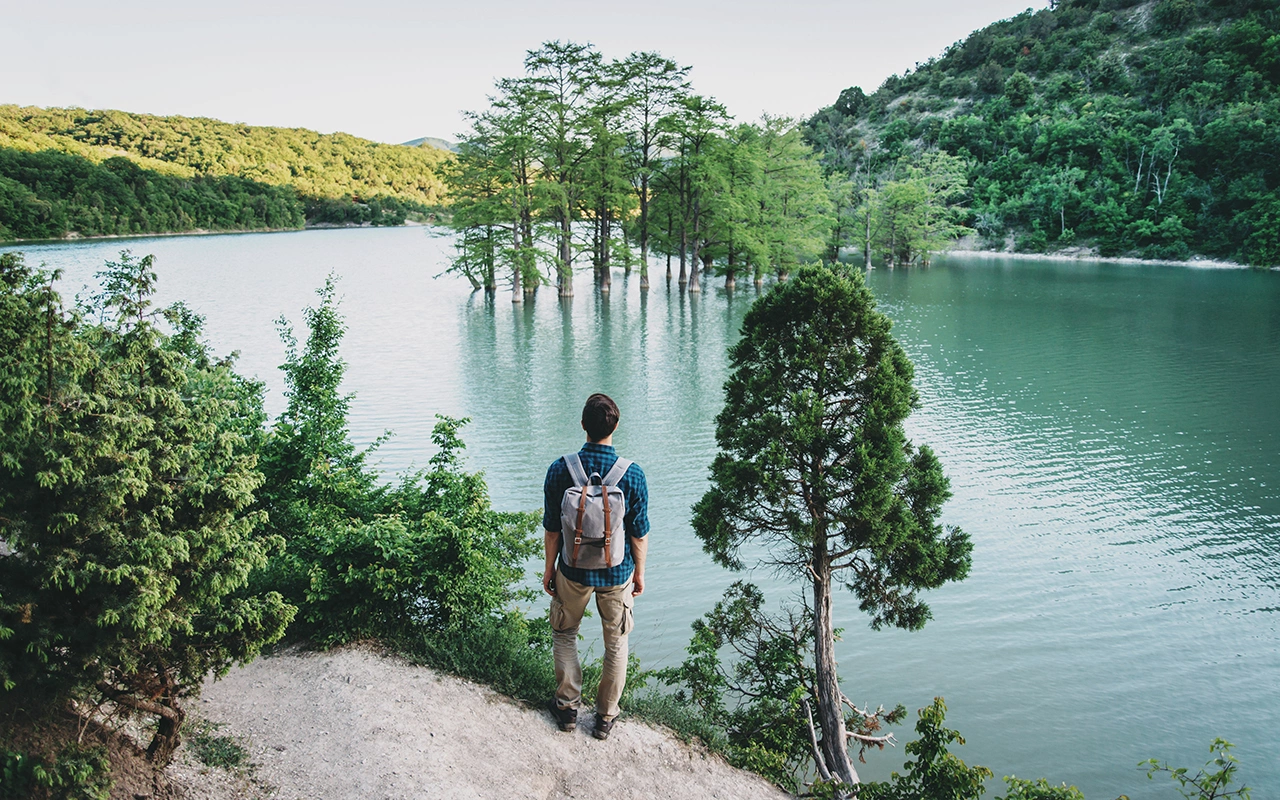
[815, 468]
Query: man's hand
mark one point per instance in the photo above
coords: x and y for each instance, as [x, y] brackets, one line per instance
[551, 547]
[640, 553]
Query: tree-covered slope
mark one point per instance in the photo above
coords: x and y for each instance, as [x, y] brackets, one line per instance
[1141, 128]
[112, 172]
[315, 164]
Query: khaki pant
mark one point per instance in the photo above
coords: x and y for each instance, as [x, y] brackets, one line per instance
[614, 603]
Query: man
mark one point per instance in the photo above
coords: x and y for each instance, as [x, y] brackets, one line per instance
[614, 587]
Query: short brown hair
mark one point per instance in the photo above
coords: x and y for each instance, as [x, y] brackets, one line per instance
[599, 416]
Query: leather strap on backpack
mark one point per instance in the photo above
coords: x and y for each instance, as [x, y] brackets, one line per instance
[608, 524]
[577, 533]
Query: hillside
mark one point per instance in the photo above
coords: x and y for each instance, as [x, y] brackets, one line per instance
[110, 172]
[432, 141]
[1134, 128]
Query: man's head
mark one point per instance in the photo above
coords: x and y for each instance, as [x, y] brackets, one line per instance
[599, 417]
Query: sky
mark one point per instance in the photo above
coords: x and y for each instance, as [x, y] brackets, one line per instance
[391, 71]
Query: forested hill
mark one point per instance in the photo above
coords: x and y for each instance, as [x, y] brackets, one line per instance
[97, 172]
[1139, 128]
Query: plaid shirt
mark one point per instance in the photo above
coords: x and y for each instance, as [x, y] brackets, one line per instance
[599, 458]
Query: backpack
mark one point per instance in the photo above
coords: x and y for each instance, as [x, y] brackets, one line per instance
[591, 514]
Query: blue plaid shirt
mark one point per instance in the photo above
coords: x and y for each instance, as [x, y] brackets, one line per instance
[599, 458]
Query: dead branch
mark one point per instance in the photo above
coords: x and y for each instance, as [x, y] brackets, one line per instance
[873, 741]
[813, 740]
[862, 712]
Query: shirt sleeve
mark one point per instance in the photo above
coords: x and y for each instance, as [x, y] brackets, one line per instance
[552, 493]
[636, 522]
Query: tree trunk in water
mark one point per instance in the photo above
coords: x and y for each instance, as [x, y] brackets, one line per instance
[705, 269]
[668, 268]
[565, 274]
[606, 273]
[644, 232]
[517, 263]
[490, 262]
[684, 255]
[729, 281]
[695, 285]
[835, 747]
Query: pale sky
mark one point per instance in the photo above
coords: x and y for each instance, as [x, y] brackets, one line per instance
[391, 71]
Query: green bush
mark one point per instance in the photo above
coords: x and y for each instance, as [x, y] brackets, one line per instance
[127, 472]
[428, 555]
[510, 653]
[78, 773]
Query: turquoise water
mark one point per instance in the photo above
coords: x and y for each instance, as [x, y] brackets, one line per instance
[1111, 432]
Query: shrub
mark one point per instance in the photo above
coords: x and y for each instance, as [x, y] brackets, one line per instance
[126, 481]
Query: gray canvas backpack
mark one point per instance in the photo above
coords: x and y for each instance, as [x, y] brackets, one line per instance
[591, 512]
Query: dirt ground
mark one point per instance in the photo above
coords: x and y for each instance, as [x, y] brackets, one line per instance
[355, 724]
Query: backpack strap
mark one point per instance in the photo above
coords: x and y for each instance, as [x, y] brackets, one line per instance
[577, 533]
[619, 469]
[608, 524]
[576, 471]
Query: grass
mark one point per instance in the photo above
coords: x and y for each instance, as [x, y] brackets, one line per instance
[215, 749]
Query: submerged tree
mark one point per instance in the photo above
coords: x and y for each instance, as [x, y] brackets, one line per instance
[815, 468]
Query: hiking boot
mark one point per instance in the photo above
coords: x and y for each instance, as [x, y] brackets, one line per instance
[602, 728]
[566, 718]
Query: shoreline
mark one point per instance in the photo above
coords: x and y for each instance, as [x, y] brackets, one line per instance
[1074, 254]
[320, 226]
[1195, 262]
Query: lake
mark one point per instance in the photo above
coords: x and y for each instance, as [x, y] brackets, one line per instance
[1112, 434]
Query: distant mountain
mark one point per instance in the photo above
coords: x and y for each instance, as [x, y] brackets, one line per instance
[65, 171]
[1132, 127]
[431, 141]
[317, 165]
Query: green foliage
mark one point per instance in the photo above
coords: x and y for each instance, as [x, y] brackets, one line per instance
[623, 154]
[508, 652]
[1134, 129]
[816, 476]
[46, 194]
[918, 212]
[935, 773]
[109, 172]
[1211, 782]
[811, 444]
[215, 749]
[128, 473]
[751, 709]
[78, 773]
[316, 165]
[1039, 789]
[365, 560]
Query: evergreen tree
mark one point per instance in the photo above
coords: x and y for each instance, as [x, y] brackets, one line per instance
[654, 86]
[126, 487]
[815, 468]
